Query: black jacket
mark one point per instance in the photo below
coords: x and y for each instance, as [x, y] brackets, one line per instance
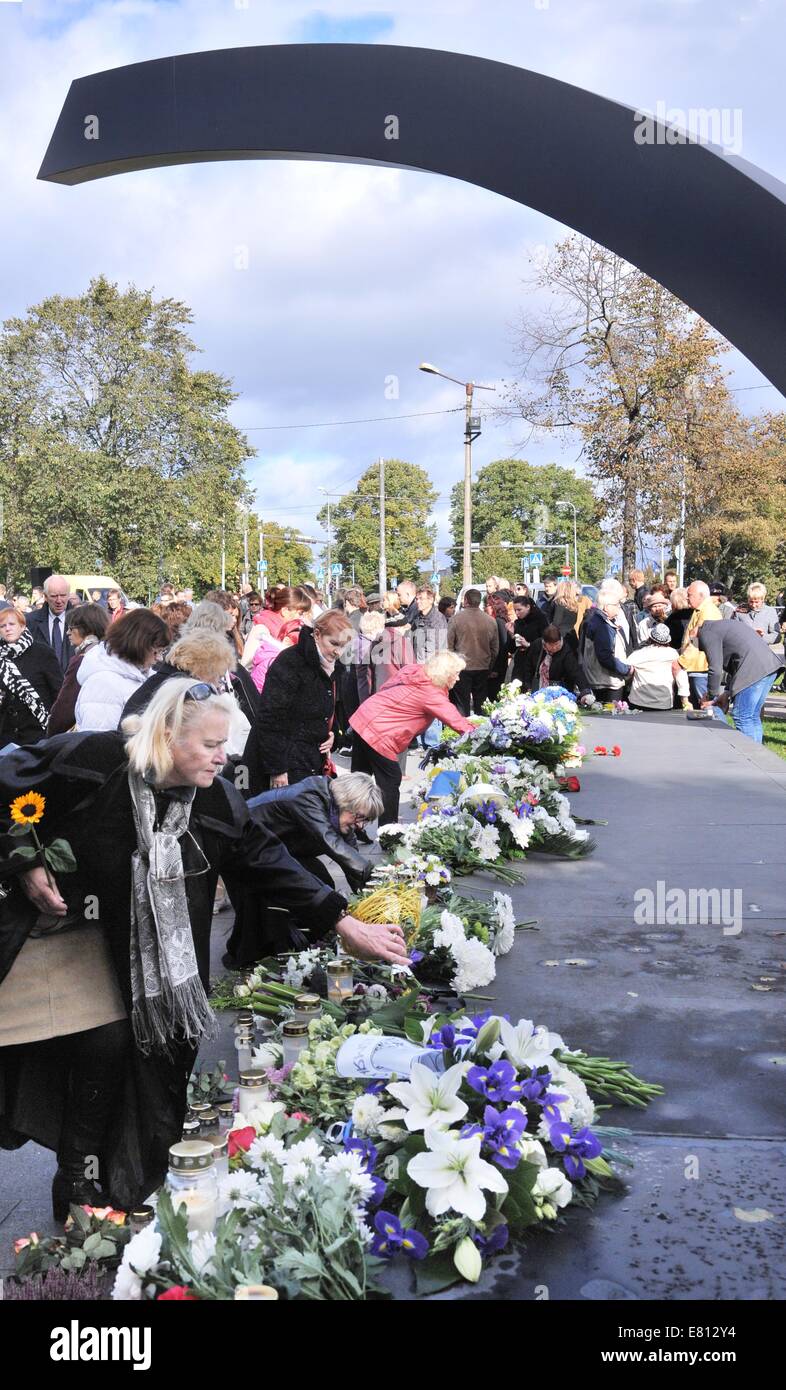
[38, 623]
[565, 669]
[41, 669]
[294, 716]
[530, 628]
[243, 689]
[84, 780]
[304, 819]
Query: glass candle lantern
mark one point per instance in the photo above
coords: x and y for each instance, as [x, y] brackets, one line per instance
[255, 1293]
[245, 1019]
[295, 1037]
[191, 1127]
[139, 1218]
[220, 1145]
[307, 1006]
[208, 1123]
[339, 980]
[192, 1182]
[198, 1107]
[244, 1042]
[252, 1089]
[226, 1114]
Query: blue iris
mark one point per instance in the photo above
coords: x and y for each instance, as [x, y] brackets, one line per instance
[534, 1087]
[501, 1131]
[391, 1237]
[576, 1147]
[488, 1245]
[497, 1082]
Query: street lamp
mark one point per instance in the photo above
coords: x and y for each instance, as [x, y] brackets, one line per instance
[471, 431]
[575, 539]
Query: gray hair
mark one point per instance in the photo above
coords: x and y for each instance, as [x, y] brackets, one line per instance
[610, 591]
[358, 793]
[206, 615]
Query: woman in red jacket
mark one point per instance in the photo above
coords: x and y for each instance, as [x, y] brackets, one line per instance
[387, 722]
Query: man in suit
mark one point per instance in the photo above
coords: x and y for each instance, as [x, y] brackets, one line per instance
[48, 623]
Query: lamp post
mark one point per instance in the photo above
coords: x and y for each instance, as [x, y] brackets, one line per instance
[575, 538]
[471, 432]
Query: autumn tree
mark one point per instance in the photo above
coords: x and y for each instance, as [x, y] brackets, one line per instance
[116, 455]
[619, 360]
[409, 536]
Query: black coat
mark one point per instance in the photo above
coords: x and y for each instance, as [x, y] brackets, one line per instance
[304, 819]
[38, 624]
[41, 668]
[243, 689]
[294, 716]
[565, 669]
[84, 780]
[530, 628]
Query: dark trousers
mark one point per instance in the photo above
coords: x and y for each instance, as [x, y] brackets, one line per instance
[471, 686]
[385, 771]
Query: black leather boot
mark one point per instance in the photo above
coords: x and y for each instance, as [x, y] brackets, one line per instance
[90, 1109]
[70, 1185]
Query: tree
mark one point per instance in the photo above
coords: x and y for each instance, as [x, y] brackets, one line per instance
[616, 358]
[409, 537]
[288, 559]
[515, 502]
[116, 456]
[735, 530]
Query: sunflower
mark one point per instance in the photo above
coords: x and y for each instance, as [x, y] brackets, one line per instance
[28, 809]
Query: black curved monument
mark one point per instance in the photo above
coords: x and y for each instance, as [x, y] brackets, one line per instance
[708, 226]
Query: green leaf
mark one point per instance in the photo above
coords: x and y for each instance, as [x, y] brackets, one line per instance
[599, 1166]
[24, 852]
[435, 1273]
[413, 1027]
[18, 830]
[518, 1207]
[60, 857]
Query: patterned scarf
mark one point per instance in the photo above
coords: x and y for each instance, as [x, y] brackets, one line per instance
[169, 1000]
[545, 667]
[13, 685]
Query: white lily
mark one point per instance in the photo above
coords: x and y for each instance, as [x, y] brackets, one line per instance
[430, 1097]
[455, 1175]
[528, 1046]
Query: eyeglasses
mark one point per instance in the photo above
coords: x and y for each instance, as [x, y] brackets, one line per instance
[358, 822]
[200, 691]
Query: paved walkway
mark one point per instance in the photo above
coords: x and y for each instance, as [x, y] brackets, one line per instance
[689, 805]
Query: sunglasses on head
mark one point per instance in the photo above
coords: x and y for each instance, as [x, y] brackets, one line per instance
[200, 691]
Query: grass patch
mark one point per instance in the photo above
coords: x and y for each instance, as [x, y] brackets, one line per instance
[775, 736]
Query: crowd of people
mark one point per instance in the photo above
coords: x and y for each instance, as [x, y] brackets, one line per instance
[185, 751]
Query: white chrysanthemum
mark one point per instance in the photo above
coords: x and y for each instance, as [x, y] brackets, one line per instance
[581, 1106]
[139, 1256]
[305, 1151]
[367, 1114]
[265, 1150]
[475, 965]
[487, 842]
[350, 1164]
[451, 930]
[520, 827]
[243, 1189]
[506, 924]
[549, 825]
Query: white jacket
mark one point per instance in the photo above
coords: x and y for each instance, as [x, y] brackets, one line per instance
[106, 683]
[653, 682]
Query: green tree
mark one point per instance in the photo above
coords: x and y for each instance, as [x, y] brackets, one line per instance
[115, 455]
[409, 538]
[515, 502]
[288, 559]
[631, 369]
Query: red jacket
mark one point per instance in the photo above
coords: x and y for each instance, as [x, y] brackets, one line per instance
[402, 709]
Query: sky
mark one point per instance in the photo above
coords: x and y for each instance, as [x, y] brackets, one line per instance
[354, 274]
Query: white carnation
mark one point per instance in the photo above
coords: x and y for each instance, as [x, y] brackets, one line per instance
[367, 1114]
[139, 1256]
[475, 965]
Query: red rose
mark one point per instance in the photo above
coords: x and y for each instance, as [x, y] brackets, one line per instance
[570, 784]
[240, 1140]
[600, 750]
[616, 750]
[178, 1291]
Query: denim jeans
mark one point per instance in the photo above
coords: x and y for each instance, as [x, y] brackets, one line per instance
[698, 686]
[748, 705]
